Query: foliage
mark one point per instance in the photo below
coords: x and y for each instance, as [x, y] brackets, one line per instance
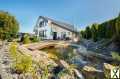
[116, 56]
[63, 73]
[8, 26]
[117, 26]
[83, 34]
[34, 39]
[45, 69]
[105, 30]
[88, 32]
[45, 74]
[13, 50]
[68, 71]
[22, 63]
[94, 29]
[26, 39]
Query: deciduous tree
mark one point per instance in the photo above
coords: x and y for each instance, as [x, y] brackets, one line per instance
[8, 25]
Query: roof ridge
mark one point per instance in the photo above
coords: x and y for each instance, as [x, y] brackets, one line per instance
[56, 20]
[60, 23]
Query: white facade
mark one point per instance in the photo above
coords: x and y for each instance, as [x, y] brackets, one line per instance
[47, 28]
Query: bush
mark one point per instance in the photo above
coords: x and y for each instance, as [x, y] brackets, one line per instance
[13, 49]
[26, 39]
[116, 56]
[68, 72]
[34, 39]
[9, 26]
[22, 63]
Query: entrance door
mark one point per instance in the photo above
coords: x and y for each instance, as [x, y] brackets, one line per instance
[64, 36]
[54, 35]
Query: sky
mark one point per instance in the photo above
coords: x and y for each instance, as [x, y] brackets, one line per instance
[80, 13]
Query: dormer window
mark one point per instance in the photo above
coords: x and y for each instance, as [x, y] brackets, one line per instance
[42, 24]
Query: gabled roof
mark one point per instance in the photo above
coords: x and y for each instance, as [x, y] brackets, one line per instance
[60, 24]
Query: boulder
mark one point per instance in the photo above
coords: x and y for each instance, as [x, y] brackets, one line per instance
[107, 69]
[67, 76]
[37, 55]
[64, 64]
[93, 73]
[78, 60]
[15, 76]
[28, 76]
[67, 66]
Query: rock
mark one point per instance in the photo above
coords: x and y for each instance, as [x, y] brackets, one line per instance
[90, 68]
[84, 52]
[21, 76]
[67, 76]
[37, 55]
[77, 73]
[113, 47]
[78, 60]
[64, 64]
[76, 39]
[15, 76]
[108, 66]
[28, 76]
[57, 69]
[107, 69]
[5, 62]
[82, 49]
[90, 54]
[93, 73]
[52, 77]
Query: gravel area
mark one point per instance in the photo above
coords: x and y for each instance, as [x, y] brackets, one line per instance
[5, 61]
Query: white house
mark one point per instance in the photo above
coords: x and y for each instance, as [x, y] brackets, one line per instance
[47, 28]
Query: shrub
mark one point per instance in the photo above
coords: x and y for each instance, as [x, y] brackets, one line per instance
[22, 63]
[26, 39]
[34, 39]
[9, 26]
[13, 49]
[116, 56]
[68, 72]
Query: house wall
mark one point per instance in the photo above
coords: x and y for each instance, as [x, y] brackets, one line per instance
[46, 29]
[61, 31]
[49, 28]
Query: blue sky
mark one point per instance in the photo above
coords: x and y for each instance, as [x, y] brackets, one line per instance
[78, 12]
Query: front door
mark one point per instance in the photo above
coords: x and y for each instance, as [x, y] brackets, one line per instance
[54, 35]
[64, 36]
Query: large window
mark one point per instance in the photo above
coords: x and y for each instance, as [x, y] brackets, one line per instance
[42, 33]
[42, 24]
[36, 32]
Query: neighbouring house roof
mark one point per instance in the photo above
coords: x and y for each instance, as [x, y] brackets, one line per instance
[60, 24]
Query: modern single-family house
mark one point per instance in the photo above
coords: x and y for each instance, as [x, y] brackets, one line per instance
[47, 28]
